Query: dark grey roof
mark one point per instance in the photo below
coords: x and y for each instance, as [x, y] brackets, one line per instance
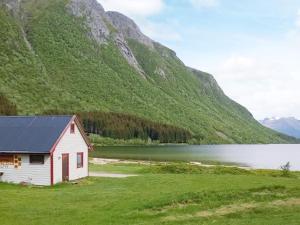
[30, 134]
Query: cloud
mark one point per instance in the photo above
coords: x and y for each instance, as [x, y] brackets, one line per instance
[134, 8]
[140, 10]
[237, 63]
[298, 19]
[266, 83]
[160, 31]
[261, 72]
[264, 76]
[204, 3]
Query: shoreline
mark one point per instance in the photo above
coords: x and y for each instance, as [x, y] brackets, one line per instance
[105, 161]
[142, 145]
[184, 144]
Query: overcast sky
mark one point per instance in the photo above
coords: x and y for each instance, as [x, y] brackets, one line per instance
[252, 47]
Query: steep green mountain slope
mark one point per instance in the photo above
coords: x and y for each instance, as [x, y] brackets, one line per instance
[72, 55]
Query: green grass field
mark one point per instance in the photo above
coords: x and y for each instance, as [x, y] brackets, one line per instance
[163, 194]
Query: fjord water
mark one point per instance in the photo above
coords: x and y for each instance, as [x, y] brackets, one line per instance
[255, 156]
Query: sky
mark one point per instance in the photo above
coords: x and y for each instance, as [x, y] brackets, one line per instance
[252, 47]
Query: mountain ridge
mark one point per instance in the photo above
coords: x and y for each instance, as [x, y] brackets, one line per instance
[286, 125]
[96, 62]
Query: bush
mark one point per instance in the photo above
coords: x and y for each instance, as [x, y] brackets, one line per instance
[7, 108]
[286, 170]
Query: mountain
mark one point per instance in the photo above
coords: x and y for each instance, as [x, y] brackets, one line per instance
[289, 126]
[73, 55]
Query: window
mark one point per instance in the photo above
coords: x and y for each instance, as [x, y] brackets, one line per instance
[72, 129]
[80, 160]
[36, 159]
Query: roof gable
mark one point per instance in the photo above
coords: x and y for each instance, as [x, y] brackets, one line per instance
[31, 134]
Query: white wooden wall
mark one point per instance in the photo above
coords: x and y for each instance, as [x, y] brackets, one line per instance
[31, 173]
[70, 143]
[40, 174]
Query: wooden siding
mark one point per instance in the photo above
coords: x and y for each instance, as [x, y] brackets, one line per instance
[71, 143]
[30, 173]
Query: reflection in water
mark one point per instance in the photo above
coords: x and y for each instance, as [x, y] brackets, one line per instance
[256, 156]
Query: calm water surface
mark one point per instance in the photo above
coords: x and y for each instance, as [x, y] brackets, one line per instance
[256, 156]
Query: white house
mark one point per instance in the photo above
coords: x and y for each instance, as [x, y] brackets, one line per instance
[42, 150]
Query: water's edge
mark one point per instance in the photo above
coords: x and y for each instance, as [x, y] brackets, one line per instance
[254, 156]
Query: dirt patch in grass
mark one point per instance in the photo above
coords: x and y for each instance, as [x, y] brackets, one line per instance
[104, 161]
[235, 208]
[110, 175]
[229, 209]
[288, 202]
[206, 199]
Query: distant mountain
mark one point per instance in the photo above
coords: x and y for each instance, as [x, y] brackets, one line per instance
[289, 126]
[74, 56]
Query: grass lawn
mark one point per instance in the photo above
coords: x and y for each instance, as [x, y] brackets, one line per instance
[160, 195]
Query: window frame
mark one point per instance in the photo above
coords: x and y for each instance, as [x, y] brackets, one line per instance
[72, 128]
[79, 154]
[31, 162]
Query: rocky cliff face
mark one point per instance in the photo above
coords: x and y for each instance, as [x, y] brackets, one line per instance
[106, 26]
[95, 17]
[11, 5]
[128, 28]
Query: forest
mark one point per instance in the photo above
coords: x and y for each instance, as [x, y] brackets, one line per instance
[125, 126]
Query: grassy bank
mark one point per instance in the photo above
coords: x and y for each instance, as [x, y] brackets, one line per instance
[106, 141]
[177, 194]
